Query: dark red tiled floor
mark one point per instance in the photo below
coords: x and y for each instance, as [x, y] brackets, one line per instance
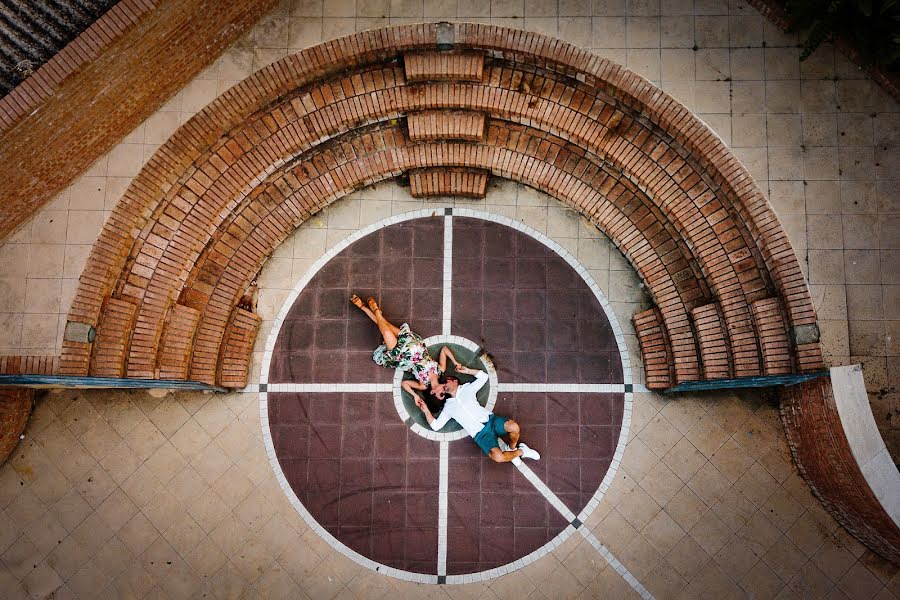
[530, 309]
[494, 515]
[325, 339]
[370, 481]
[361, 473]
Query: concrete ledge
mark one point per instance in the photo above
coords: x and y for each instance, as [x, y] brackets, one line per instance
[865, 440]
[838, 450]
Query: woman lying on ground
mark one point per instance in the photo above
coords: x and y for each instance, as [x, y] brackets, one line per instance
[403, 349]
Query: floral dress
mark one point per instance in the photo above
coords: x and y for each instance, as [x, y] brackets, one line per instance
[410, 354]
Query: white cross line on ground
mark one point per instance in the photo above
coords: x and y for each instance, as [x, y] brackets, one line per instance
[615, 564]
[330, 387]
[443, 471]
[596, 388]
[448, 274]
[554, 501]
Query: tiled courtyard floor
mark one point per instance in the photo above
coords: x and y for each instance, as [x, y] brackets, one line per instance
[130, 495]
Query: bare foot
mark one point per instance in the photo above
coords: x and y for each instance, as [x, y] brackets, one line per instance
[373, 305]
[356, 301]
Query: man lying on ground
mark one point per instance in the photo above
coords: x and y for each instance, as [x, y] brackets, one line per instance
[484, 426]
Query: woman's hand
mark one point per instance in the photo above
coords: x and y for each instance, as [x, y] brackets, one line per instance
[420, 403]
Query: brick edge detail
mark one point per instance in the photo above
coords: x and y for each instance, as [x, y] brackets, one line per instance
[101, 100]
[15, 408]
[87, 46]
[824, 458]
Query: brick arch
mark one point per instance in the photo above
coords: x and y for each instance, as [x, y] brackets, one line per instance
[718, 247]
[384, 152]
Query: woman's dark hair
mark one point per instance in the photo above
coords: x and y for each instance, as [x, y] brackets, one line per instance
[433, 403]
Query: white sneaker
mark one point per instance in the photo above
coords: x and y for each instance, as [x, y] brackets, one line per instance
[501, 443]
[528, 452]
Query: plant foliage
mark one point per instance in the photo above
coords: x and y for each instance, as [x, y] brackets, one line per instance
[872, 27]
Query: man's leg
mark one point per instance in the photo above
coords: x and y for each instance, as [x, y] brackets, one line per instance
[498, 455]
[512, 430]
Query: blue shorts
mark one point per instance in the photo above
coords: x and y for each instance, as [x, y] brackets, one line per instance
[487, 437]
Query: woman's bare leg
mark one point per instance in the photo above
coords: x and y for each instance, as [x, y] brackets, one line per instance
[388, 330]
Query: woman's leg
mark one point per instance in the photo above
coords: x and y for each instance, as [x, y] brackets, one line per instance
[388, 330]
[358, 303]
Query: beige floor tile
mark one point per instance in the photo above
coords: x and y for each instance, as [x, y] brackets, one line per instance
[660, 435]
[710, 533]
[640, 557]
[142, 486]
[686, 508]
[833, 559]
[42, 581]
[169, 416]
[663, 533]
[736, 558]
[734, 508]
[187, 486]
[117, 509]
[661, 483]
[811, 582]
[638, 459]
[639, 509]
[608, 584]
[163, 510]
[782, 509]
[684, 459]
[759, 534]
[762, 582]
[135, 581]
[321, 582]
[190, 439]
[707, 436]
[709, 484]
[138, 534]
[712, 582]
[785, 559]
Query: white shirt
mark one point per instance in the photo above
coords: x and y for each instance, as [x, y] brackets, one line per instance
[464, 408]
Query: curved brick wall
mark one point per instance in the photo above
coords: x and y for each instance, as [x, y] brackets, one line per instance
[15, 408]
[201, 218]
[823, 454]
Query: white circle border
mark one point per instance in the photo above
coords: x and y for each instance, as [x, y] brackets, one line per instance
[450, 436]
[520, 563]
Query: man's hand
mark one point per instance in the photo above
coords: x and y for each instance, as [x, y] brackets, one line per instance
[421, 404]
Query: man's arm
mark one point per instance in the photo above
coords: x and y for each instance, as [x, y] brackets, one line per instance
[411, 387]
[442, 419]
[481, 377]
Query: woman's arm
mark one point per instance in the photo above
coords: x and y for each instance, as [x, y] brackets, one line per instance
[442, 360]
[412, 387]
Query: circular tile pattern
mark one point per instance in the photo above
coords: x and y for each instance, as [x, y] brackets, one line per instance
[467, 353]
[429, 506]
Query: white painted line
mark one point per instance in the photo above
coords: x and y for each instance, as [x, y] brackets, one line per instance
[554, 501]
[443, 471]
[615, 563]
[585, 388]
[350, 388]
[545, 491]
[448, 274]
